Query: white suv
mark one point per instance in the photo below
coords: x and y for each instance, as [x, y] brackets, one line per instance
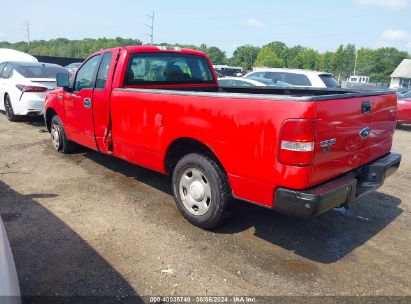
[298, 78]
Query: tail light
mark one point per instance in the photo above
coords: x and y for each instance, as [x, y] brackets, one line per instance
[297, 143]
[31, 89]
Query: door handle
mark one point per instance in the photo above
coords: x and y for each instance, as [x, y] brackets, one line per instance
[366, 107]
[87, 103]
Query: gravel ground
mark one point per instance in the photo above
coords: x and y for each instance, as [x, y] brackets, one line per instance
[88, 224]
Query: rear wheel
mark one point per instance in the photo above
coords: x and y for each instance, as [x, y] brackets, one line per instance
[58, 137]
[201, 191]
[9, 109]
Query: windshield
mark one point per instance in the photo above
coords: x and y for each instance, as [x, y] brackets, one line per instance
[330, 81]
[164, 68]
[40, 71]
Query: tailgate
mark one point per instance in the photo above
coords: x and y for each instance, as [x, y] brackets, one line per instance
[352, 132]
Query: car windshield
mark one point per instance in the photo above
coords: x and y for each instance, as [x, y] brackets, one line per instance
[330, 81]
[40, 71]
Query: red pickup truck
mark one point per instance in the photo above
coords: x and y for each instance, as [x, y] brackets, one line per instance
[297, 151]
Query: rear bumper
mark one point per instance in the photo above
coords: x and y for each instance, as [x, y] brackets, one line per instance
[341, 192]
[31, 104]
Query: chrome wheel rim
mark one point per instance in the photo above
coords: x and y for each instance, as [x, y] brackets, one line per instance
[55, 136]
[195, 192]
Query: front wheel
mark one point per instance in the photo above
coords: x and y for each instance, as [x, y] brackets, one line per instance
[201, 191]
[58, 137]
[9, 109]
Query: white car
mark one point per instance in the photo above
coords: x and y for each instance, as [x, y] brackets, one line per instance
[249, 82]
[24, 85]
[9, 285]
[13, 55]
[73, 67]
[298, 78]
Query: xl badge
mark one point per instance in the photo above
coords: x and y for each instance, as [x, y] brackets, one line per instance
[327, 144]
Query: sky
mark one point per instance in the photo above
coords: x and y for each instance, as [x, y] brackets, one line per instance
[227, 24]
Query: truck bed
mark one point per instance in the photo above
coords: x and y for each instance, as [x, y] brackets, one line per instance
[296, 94]
[223, 119]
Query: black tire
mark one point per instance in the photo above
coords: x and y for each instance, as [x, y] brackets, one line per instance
[60, 141]
[217, 182]
[9, 109]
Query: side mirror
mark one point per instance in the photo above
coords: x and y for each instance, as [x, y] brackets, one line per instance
[63, 80]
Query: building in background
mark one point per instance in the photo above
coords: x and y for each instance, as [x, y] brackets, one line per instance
[401, 78]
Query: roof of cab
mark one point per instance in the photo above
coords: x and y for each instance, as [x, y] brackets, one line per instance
[163, 49]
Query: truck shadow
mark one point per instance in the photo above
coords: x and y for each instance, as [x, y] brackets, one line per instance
[404, 127]
[143, 175]
[325, 239]
[53, 262]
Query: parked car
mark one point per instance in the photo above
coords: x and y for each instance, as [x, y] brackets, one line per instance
[298, 78]
[24, 85]
[9, 285]
[13, 55]
[404, 107]
[73, 67]
[250, 82]
[298, 151]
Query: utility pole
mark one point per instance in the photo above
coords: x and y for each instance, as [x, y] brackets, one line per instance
[151, 28]
[356, 62]
[28, 32]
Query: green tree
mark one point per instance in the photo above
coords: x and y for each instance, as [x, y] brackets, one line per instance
[62, 47]
[292, 54]
[280, 49]
[268, 58]
[326, 62]
[216, 55]
[344, 61]
[245, 56]
[306, 58]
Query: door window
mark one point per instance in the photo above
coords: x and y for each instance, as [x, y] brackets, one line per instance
[85, 75]
[7, 71]
[2, 67]
[258, 74]
[103, 71]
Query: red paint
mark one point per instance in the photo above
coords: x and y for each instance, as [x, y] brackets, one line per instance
[404, 111]
[243, 133]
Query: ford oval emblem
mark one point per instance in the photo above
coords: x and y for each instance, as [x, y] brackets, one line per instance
[365, 132]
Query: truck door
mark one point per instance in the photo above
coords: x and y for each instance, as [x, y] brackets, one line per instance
[102, 98]
[79, 105]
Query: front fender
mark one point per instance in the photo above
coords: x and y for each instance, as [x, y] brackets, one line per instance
[54, 105]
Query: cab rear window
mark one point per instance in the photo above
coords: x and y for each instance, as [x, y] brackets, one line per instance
[165, 68]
